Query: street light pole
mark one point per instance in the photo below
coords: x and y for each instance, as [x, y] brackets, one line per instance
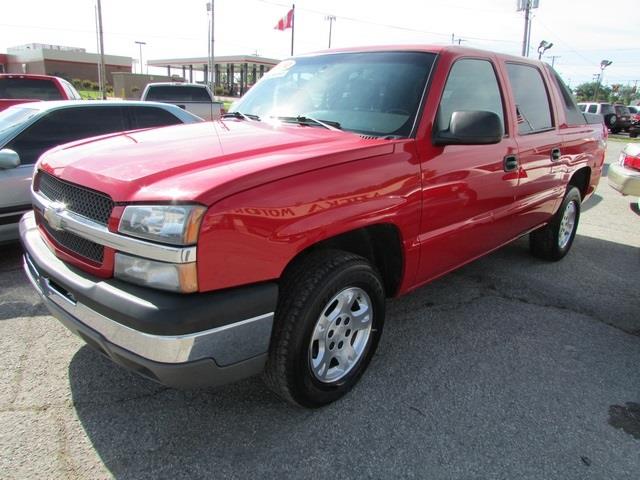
[543, 47]
[603, 64]
[140, 44]
[211, 59]
[331, 18]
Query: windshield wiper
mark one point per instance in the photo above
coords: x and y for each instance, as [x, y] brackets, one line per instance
[242, 116]
[304, 120]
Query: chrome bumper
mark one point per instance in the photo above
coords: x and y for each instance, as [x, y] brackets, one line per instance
[240, 346]
[624, 180]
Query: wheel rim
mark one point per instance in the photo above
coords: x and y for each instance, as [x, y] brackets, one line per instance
[567, 224]
[340, 335]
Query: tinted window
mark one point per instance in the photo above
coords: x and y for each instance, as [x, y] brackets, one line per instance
[606, 109]
[532, 102]
[621, 110]
[633, 109]
[472, 85]
[582, 107]
[178, 93]
[593, 108]
[29, 88]
[147, 117]
[573, 114]
[63, 126]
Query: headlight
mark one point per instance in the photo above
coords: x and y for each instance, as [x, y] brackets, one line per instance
[175, 277]
[172, 224]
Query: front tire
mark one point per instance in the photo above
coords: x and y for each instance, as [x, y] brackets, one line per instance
[327, 327]
[553, 241]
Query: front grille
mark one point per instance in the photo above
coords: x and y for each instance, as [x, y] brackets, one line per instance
[93, 205]
[85, 248]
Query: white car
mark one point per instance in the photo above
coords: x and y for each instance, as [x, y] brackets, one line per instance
[192, 97]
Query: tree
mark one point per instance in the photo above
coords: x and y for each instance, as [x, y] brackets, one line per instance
[585, 92]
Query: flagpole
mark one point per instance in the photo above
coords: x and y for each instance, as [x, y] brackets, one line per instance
[293, 25]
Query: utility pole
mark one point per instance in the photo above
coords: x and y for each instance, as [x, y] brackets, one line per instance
[140, 44]
[453, 38]
[525, 39]
[98, 48]
[103, 91]
[211, 38]
[553, 59]
[331, 18]
[527, 5]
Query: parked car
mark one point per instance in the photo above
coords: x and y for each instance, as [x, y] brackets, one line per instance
[623, 119]
[18, 88]
[339, 180]
[27, 131]
[625, 175]
[634, 128]
[192, 97]
[634, 110]
[607, 111]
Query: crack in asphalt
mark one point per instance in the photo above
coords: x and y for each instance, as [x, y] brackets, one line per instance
[489, 290]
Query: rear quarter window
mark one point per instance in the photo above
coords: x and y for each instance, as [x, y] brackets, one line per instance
[572, 112]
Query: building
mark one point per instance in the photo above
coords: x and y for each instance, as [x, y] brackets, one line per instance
[235, 74]
[66, 62]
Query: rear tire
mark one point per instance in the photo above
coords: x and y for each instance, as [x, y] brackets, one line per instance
[553, 241]
[327, 326]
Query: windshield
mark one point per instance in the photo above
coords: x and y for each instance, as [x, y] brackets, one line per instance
[12, 117]
[375, 93]
[32, 88]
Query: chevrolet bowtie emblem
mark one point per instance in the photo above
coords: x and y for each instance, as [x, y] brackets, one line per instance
[52, 214]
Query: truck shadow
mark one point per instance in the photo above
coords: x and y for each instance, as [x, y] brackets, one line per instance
[450, 372]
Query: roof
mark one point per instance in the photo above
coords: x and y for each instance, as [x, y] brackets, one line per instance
[28, 75]
[199, 62]
[53, 104]
[437, 49]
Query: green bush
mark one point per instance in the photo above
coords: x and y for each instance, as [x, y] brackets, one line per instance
[219, 90]
[87, 84]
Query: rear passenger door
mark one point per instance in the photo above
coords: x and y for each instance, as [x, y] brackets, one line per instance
[539, 147]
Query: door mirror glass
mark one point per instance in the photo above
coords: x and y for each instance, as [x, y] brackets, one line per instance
[471, 128]
[9, 159]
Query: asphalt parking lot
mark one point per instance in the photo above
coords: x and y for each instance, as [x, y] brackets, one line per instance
[508, 368]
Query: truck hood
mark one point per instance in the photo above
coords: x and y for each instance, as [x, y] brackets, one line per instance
[203, 162]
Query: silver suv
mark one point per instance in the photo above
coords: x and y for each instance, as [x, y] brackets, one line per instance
[28, 130]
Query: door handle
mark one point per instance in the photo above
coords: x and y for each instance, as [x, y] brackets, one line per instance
[510, 163]
[555, 154]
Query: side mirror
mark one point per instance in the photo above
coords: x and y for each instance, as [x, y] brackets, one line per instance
[9, 159]
[471, 128]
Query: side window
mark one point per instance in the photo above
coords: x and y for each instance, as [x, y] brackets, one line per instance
[147, 117]
[573, 114]
[532, 101]
[471, 85]
[593, 108]
[582, 107]
[63, 126]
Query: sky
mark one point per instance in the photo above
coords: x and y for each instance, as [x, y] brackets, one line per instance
[583, 32]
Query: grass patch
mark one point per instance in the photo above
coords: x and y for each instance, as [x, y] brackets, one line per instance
[622, 139]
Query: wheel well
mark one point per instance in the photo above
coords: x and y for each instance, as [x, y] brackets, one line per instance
[380, 244]
[580, 180]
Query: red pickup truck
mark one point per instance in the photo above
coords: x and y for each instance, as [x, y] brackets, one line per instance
[18, 88]
[267, 241]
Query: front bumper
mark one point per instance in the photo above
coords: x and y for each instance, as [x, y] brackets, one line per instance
[624, 180]
[203, 339]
